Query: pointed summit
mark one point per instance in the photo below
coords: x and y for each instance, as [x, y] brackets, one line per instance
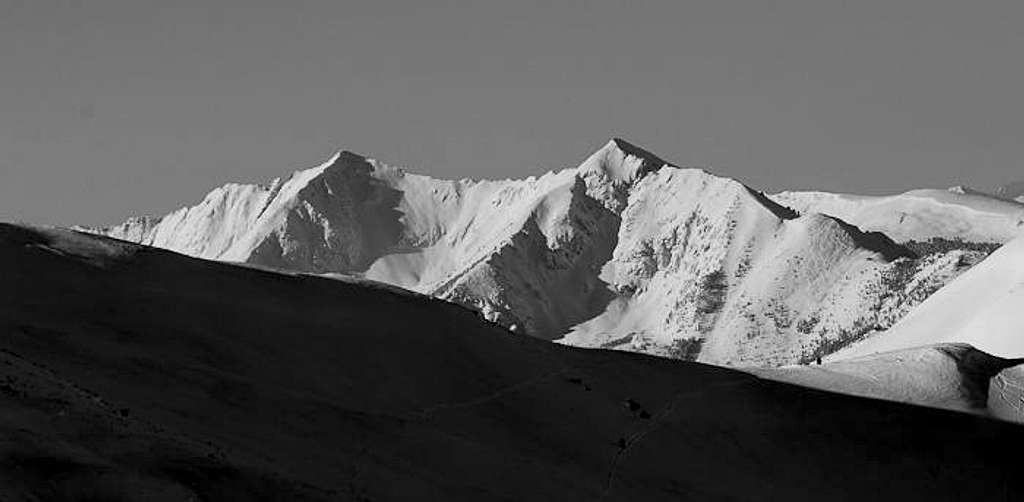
[621, 162]
[346, 157]
[636, 151]
[347, 161]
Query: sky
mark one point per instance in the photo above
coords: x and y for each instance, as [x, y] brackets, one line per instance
[110, 109]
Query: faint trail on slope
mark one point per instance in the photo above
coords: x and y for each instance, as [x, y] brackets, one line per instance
[426, 412]
[655, 423]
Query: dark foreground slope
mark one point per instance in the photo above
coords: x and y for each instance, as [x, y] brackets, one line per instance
[133, 373]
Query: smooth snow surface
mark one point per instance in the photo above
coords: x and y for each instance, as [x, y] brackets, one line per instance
[951, 376]
[134, 373]
[984, 307]
[624, 251]
[957, 213]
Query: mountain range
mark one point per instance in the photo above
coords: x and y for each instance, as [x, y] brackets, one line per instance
[354, 331]
[625, 251]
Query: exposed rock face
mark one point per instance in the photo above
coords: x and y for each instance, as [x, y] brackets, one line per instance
[626, 251]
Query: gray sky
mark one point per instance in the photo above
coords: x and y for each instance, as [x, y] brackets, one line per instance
[109, 109]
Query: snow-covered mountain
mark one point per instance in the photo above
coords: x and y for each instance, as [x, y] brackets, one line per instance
[625, 251]
[983, 307]
[956, 213]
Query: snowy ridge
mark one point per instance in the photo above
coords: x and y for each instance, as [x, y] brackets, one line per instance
[951, 376]
[332, 217]
[920, 215]
[706, 267]
[625, 251]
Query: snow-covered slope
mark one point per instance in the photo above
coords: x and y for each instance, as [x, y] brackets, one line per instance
[624, 251]
[951, 376]
[956, 213]
[332, 217]
[984, 307]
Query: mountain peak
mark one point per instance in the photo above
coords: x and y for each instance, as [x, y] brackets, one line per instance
[621, 162]
[345, 160]
[638, 152]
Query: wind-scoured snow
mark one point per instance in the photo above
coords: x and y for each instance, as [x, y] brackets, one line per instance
[957, 213]
[625, 251]
[982, 307]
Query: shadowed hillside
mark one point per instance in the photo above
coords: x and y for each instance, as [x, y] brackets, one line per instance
[135, 373]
